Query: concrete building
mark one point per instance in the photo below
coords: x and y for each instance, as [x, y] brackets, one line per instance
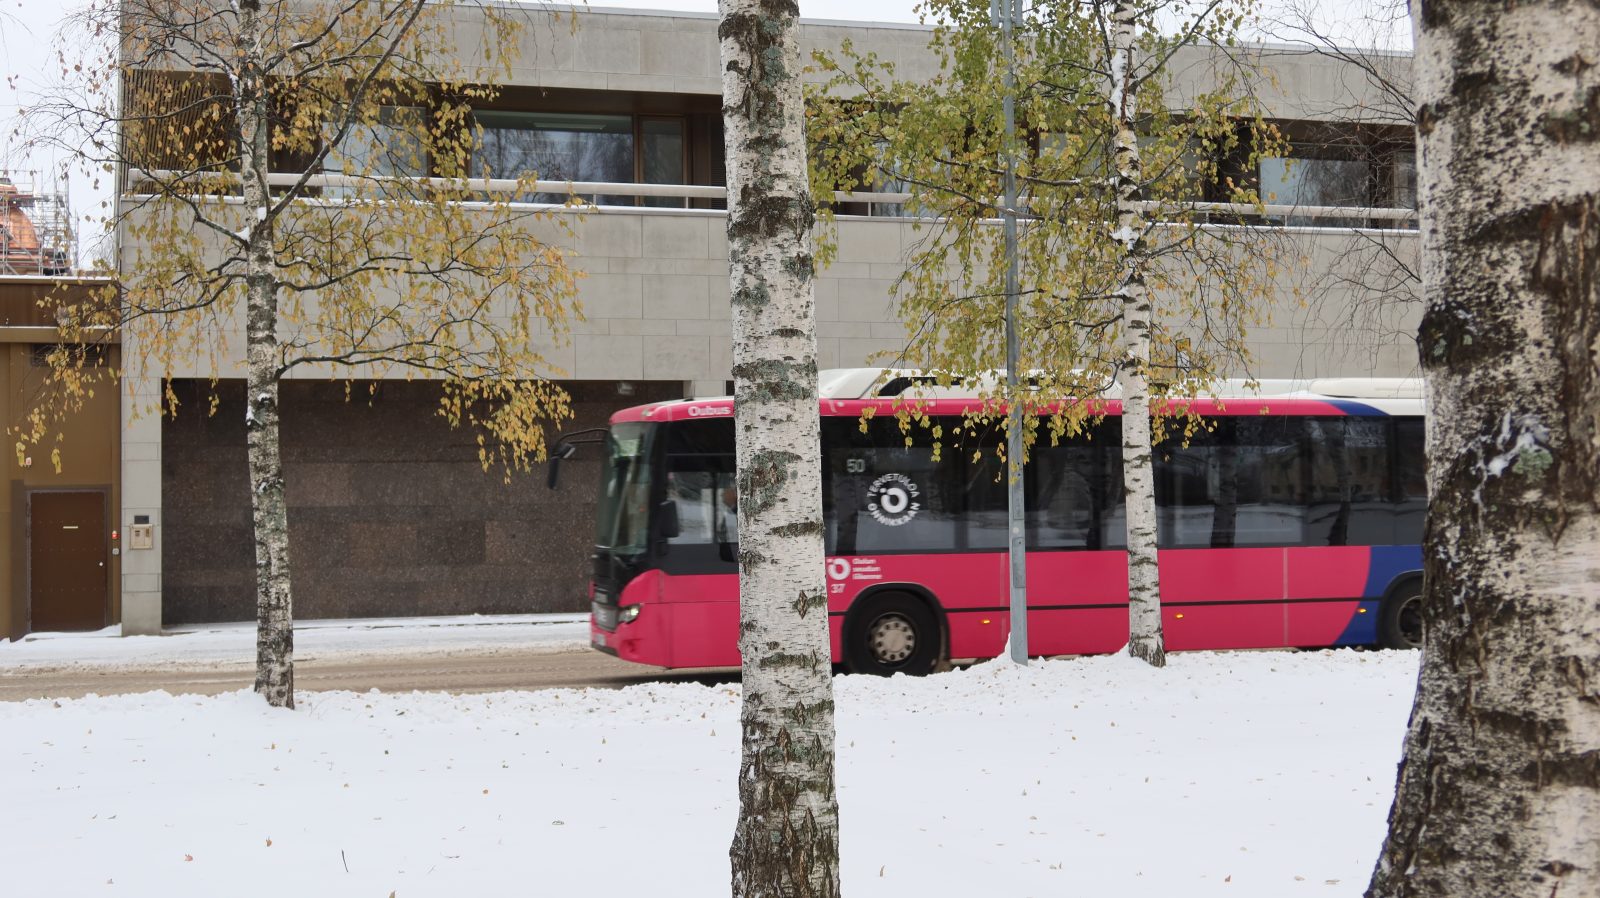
[390, 512]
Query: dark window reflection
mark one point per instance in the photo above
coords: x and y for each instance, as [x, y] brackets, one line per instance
[1307, 181]
[882, 495]
[1403, 180]
[1243, 481]
[1239, 483]
[1350, 482]
[1411, 481]
[557, 147]
[1074, 491]
[661, 158]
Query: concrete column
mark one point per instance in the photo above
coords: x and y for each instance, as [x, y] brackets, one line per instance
[704, 389]
[141, 497]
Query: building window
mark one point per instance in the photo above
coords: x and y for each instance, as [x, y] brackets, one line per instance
[1356, 169]
[557, 147]
[1311, 181]
[389, 146]
[662, 158]
[1170, 171]
[1403, 180]
[619, 149]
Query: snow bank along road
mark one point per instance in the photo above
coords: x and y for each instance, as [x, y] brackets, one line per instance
[466, 671]
[464, 654]
[1241, 774]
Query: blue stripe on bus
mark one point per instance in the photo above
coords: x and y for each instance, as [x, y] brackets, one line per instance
[1387, 563]
[1356, 408]
[1384, 564]
[1363, 626]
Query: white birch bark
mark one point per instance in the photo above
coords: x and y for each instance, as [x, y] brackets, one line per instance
[274, 613]
[1144, 591]
[1499, 790]
[787, 838]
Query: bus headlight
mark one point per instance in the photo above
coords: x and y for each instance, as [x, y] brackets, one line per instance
[627, 614]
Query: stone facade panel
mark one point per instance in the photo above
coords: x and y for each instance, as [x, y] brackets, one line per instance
[604, 358]
[416, 527]
[677, 238]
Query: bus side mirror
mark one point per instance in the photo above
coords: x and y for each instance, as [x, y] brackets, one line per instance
[670, 528]
[563, 450]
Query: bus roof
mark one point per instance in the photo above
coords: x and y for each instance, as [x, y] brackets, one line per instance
[851, 391]
[867, 383]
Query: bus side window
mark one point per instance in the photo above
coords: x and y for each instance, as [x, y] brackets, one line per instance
[1185, 478]
[1261, 490]
[974, 449]
[886, 496]
[843, 456]
[1349, 501]
[1073, 491]
[1114, 516]
[1238, 482]
[1410, 493]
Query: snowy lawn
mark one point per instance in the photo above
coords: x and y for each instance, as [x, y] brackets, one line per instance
[1233, 774]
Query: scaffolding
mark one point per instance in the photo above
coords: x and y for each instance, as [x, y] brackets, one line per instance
[36, 236]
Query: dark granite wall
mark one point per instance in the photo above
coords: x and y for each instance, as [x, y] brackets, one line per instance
[389, 510]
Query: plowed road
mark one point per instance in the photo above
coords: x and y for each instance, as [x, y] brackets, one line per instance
[491, 671]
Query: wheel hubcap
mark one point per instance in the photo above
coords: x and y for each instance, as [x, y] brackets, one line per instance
[892, 639]
[1410, 621]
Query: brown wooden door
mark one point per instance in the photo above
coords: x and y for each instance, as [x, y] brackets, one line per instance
[67, 561]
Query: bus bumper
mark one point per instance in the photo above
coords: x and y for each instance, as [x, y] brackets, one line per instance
[642, 641]
[674, 634]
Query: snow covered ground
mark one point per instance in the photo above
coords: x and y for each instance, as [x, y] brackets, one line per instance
[1232, 774]
[208, 644]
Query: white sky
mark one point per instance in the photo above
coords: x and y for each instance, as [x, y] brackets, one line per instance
[29, 31]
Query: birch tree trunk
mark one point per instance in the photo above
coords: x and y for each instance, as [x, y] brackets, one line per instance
[1144, 590]
[786, 842]
[274, 612]
[1499, 790]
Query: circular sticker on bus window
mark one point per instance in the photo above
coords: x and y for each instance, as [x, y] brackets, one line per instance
[893, 499]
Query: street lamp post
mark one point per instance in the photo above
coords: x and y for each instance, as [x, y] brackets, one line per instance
[1005, 11]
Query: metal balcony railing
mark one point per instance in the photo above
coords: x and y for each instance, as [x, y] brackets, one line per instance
[585, 192]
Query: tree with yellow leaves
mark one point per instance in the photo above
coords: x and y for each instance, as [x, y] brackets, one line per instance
[298, 170]
[1136, 274]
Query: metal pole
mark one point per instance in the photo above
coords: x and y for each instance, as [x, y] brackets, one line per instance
[1017, 531]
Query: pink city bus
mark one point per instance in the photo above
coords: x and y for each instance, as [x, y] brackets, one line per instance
[1295, 521]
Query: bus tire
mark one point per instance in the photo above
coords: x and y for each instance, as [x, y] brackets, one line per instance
[1400, 617]
[891, 633]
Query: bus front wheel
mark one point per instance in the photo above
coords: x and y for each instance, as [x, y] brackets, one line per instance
[1400, 618]
[892, 633]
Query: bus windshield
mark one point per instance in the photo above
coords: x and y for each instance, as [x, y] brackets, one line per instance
[623, 521]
